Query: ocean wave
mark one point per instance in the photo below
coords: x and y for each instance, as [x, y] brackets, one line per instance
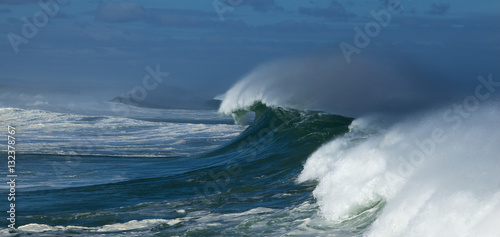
[411, 164]
[435, 177]
[297, 167]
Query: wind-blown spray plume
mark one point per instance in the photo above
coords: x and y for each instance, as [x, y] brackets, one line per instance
[330, 84]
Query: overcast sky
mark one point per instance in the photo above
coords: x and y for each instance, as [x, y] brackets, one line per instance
[207, 46]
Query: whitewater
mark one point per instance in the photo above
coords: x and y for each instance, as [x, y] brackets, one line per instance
[316, 150]
[423, 176]
[431, 172]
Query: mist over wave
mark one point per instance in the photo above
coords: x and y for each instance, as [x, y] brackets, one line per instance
[387, 84]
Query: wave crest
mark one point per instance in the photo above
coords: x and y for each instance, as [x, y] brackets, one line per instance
[435, 179]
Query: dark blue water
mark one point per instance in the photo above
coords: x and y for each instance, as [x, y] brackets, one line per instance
[116, 176]
[286, 173]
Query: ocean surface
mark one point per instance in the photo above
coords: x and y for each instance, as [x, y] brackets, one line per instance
[279, 171]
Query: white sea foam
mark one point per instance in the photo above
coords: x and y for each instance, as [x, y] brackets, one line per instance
[118, 227]
[435, 178]
[135, 225]
[42, 132]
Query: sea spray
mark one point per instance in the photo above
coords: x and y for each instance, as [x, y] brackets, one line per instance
[452, 190]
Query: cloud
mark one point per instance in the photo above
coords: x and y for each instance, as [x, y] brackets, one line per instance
[456, 23]
[258, 5]
[61, 15]
[182, 18]
[439, 8]
[15, 2]
[294, 26]
[335, 10]
[13, 20]
[179, 20]
[263, 5]
[127, 11]
[121, 12]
